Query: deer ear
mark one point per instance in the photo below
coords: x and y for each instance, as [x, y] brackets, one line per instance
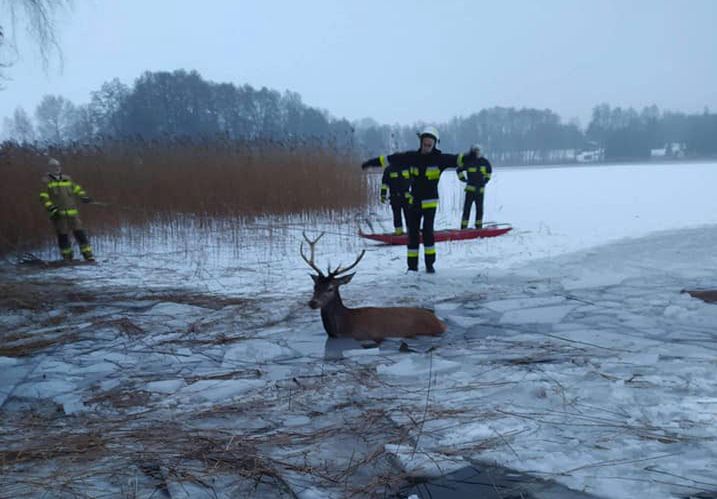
[314, 277]
[345, 279]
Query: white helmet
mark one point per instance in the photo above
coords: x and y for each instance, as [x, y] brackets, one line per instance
[476, 147]
[430, 131]
[53, 163]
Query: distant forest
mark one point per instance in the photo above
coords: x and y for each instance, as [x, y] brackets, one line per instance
[181, 105]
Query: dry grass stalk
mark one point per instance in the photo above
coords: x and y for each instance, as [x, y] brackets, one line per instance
[142, 183]
[74, 446]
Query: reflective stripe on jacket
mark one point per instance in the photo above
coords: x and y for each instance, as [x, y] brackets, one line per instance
[475, 172]
[424, 171]
[61, 193]
[395, 180]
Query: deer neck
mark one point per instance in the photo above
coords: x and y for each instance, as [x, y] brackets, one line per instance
[332, 315]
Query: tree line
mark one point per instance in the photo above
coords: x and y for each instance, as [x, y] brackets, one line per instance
[167, 105]
[629, 134]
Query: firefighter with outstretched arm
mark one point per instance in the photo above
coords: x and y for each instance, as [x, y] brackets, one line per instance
[424, 166]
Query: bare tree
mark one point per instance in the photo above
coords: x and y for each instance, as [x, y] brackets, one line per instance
[107, 106]
[19, 127]
[55, 116]
[81, 124]
[38, 18]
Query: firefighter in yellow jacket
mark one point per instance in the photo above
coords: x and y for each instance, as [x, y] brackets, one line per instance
[59, 197]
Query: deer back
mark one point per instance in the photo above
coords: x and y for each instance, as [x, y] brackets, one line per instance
[379, 323]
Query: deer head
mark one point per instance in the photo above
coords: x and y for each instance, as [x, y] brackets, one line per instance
[363, 323]
[326, 286]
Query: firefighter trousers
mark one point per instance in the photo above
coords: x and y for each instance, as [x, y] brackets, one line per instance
[65, 225]
[473, 197]
[416, 233]
[398, 208]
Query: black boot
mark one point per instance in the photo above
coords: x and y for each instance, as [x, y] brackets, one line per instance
[430, 269]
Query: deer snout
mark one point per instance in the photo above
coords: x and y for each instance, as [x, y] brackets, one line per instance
[313, 303]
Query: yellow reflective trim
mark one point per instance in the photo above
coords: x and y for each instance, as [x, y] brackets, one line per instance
[470, 188]
[433, 173]
[429, 250]
[484, 170]
[86, 249]
[44, 195]
[406, 173]
[482, 190]
[459, 161]
[70, 213]
[412, 253]
[472, 169]
[384, 187]
[383, 161]
[66, 251]
[429, 203]
[61, 183]
[393, 174]
[414, 171]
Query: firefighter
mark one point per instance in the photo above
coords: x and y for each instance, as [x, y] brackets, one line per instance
[394, 188]
[60, 200]
[475, 172]
[425, 166]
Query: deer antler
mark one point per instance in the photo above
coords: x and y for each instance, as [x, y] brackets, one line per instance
[312, 244]
[339, 270]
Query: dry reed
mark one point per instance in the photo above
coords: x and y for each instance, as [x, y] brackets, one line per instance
[137, 184]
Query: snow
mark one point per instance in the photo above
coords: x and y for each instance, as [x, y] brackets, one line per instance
[572, 353]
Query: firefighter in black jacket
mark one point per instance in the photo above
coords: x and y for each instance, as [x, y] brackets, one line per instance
[394, 187]
[475, 172]
[425, 167]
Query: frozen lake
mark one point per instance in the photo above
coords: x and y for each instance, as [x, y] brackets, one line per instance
[193, 366]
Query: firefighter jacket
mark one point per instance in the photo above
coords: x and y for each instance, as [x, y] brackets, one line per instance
[424, 172]
[475, 172]
[396, 180]
[60, 195]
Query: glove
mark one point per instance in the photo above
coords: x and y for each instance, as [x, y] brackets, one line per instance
[462, 176]
[54, 212]
[86, 199]
[383, 199]
[409, 198]
[365, 165]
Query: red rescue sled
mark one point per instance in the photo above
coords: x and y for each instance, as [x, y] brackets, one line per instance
[444, 235]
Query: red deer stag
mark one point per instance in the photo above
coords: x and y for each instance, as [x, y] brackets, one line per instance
[367, 323]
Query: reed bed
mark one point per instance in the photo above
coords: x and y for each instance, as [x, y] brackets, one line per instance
[169, 186]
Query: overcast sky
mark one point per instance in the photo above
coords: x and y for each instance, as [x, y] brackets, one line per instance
[397, 61]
